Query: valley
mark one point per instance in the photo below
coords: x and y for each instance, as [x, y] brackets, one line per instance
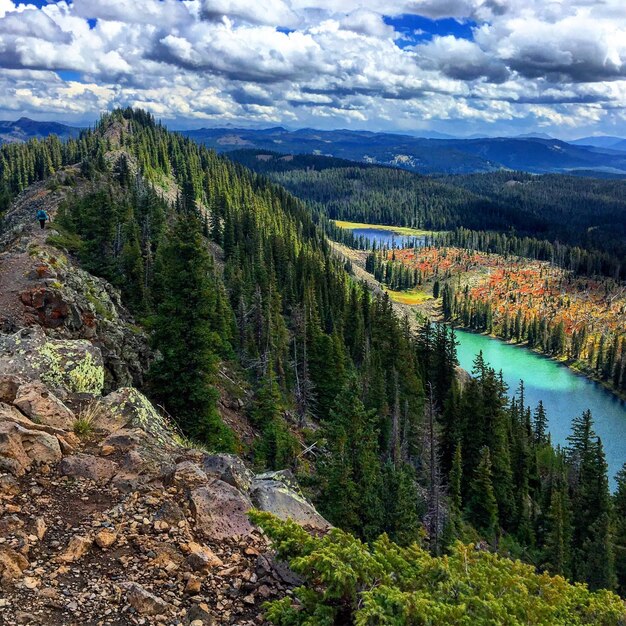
[196, 322]
[533, 321]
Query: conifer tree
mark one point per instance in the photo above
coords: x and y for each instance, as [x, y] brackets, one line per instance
[482, 507]
[183, 376]
[619, 509]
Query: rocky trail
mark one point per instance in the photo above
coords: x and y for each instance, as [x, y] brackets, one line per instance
[106, 516]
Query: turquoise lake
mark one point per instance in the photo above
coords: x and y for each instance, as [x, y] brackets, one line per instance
[564, 393]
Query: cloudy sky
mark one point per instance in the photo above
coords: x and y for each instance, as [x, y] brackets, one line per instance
[457, 66]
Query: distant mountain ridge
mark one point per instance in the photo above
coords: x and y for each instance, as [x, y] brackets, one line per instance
[425, 155]
[428, 154]
[603, 141]
[25, 129]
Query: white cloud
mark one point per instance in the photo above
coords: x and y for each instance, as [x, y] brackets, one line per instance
[333, 62]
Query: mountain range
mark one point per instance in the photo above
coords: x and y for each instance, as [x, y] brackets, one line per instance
[435, 153]
[424, 155]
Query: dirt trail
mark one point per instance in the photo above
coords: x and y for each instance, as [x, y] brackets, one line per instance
[20, 234]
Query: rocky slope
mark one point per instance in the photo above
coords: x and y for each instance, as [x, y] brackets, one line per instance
[106, 517]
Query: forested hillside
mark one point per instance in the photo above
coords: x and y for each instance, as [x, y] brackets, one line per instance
[576, 222]
[222, 266]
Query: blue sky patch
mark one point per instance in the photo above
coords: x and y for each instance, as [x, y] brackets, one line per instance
[416, 28]
[70, 75]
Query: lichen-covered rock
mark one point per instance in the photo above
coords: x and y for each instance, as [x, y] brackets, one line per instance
[128, 408]
[72, 304]
[278, 493]
[37, 402]
[71, 365]
[220, 511]
[20, 448]
[229, 468]
[88, 466]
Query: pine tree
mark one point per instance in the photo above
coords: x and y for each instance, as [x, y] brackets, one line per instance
[540, 423]
[482, 507]
[183, 376]
[619, 515]
[351, 473]
[592, 549]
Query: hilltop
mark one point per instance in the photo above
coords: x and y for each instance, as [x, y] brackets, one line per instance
[25, 129]
[108, 514]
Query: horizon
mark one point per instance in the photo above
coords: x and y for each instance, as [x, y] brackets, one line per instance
[294, 129]
[463, 68]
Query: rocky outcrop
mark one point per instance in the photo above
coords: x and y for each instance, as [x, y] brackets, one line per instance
[122, 524]
[42, 286]
[278, 493]
[126, 522]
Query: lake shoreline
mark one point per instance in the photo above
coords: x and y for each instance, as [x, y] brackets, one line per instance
[568, 363]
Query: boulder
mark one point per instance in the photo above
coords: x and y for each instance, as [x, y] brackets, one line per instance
[220, 511]
[229, 468]
[12, 564]
[21, 447]
[76, 549]
[278, 493]
[188, 475]
[88, 466]
[9, 384]
[143, 601]
[43, 407]
[66, 365]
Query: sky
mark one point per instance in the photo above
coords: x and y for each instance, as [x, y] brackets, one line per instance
[492, 67]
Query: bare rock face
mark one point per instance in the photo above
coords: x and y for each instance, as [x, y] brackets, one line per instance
[37, 402]
[20, 448]
[278, 493]
[220, 511]
[88, 466]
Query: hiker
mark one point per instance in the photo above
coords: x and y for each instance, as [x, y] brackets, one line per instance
[42, 216]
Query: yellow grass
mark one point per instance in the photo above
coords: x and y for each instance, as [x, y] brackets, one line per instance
[401, 230]
[412, 297]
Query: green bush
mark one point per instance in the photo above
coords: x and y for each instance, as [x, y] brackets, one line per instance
[350, 582]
